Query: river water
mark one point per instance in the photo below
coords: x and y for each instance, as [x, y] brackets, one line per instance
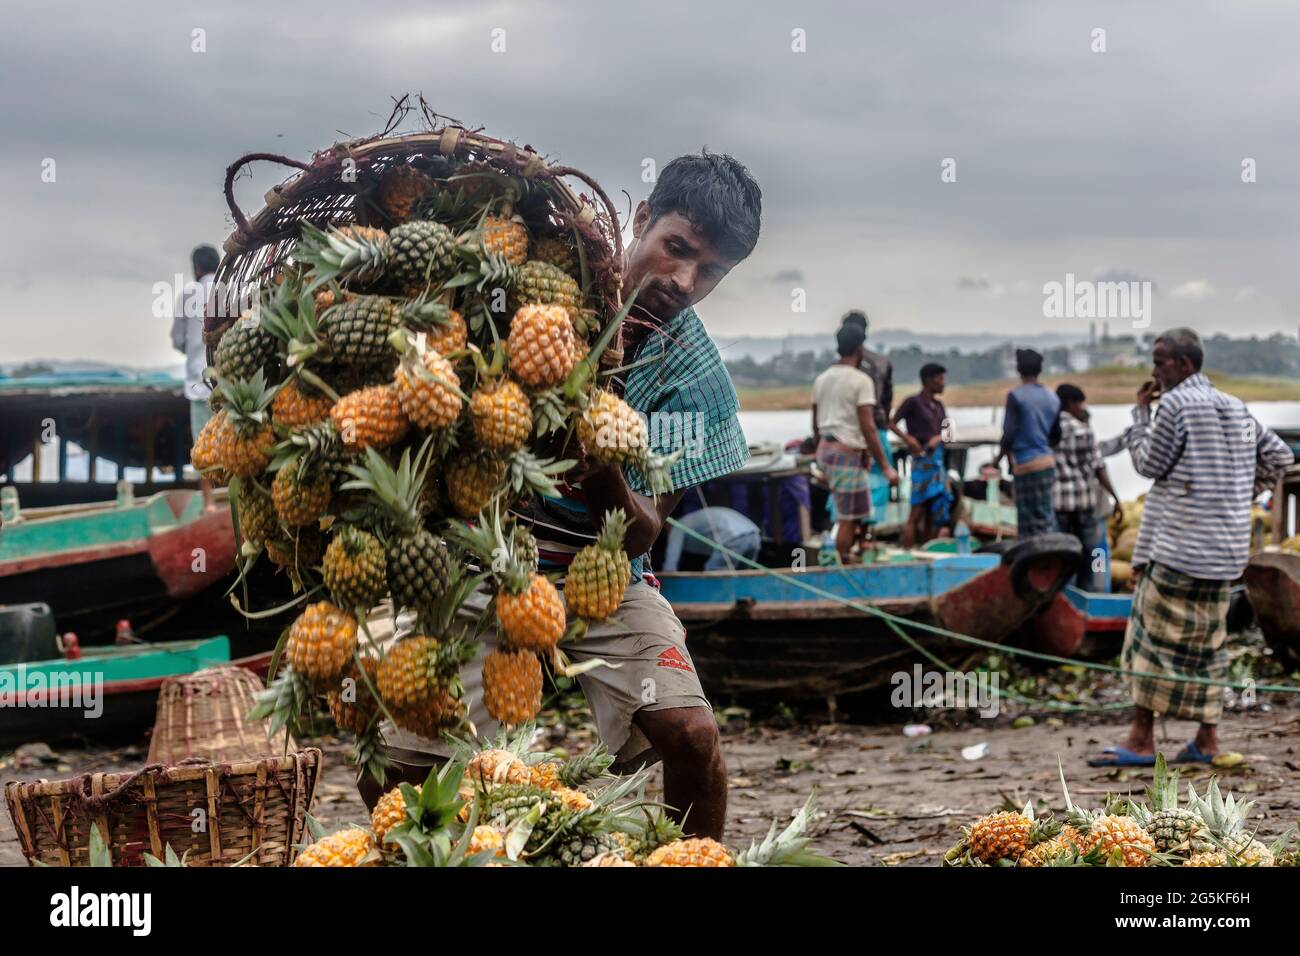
[1107, 422]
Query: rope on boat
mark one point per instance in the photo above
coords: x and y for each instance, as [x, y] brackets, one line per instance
[896, 624]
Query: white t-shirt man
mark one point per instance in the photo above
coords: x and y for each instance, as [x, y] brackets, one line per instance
[837, 393]
[187, 335]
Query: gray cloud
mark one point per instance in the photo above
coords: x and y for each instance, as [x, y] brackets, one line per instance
[1065, 159]
[968, 283]
[786, 276]
[1123, 275]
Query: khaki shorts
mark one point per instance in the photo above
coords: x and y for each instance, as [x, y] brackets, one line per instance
[643, 638]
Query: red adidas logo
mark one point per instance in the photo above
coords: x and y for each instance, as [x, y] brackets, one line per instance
[674, 658]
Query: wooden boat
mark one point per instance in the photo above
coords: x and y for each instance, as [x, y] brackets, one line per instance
[756, 634]
[1085, 624]
[104, 692]
[1272, 581]
[96, 563]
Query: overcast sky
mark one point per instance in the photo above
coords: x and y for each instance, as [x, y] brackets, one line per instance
[1125, 163]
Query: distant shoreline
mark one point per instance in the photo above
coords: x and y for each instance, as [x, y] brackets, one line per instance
[1105, 386]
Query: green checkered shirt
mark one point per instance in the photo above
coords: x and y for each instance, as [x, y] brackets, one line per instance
[686, 394]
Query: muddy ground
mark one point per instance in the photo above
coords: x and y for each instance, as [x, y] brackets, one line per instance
[884, 798]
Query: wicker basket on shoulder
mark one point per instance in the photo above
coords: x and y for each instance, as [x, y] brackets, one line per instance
[255, 812]
[205, 714]
[338, 186]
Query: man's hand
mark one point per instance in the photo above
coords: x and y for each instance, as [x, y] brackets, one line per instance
[891, 476]
[1118, 510]
[1147, 393]
[933, 443]
[913, 445]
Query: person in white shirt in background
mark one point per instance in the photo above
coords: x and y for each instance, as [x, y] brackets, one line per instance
[187, 338]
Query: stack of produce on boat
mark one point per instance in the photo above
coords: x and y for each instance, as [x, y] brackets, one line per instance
[1211, 829]
[504, 806]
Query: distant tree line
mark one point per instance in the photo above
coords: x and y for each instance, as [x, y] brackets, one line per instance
[1277, 356]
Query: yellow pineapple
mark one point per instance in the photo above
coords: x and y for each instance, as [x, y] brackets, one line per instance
[487, 839]
[471, 482]
[407, 675]
[541, 283]
[505, 237]
[438, 712]
[242, 446]
[450, 335]
[346, 848]
[542, 345]
[558, 252]
[501, 415]
[295, 407]
[533, 616]
[302, 550]
[693, 851]
[512, 685]
[300, 500]
[608, 859]
[611, 431]
[599, 574]
[545, 775]
[205, 454]
[322, 641]
[400, 188]
[370, 417]
[390, 810]
[1042, 854]
[353, 706]
[1000, 836]
[1112, 832]
[428, 389]
[496, 766]
[354, 569]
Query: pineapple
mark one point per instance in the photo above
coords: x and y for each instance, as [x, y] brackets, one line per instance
[207, 444]
[584, 843]
[611, 431]
[512, 685]
[505, 237]
[370, 418]
[408, 674]
[495, 766]
[1044, 853]
[486, 839]
[295, 406]
[471, 482]
[545, 775]
[695, 851]
[322, 641]
[417, 562]
[244, 350]
[257, 518]
[357, 330]
[303, 550]
[400, 188]
[600, 572]
[608, 859]
[542, 345]
[243, 446]
[501, 416]
[450, 335]
[390, 810]
[1108, 837]
[428, 388]
[1001, 836]
[541, 283]
[350, 253]
[420, 253]
[354, 847]
[558, 252]
[300, 499]
[354, 715]
[354, 568]
[1225, 832]
[430, 718]
[1172, 827]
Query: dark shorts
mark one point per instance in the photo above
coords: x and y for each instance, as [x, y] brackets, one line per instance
[1034, 513]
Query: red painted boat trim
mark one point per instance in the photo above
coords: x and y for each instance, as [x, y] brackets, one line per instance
[68, 558]
[172, 553]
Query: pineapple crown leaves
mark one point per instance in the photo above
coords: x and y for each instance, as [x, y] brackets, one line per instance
[499, 551]
[397, 491]
[306, 445]
[551, 412]
[586, 767]
[368, 757]
[483, 270]
[516, 740]
[1077, 817]
[285, 702]
[527, 472]
[424, 313]
[425, 835]
[613, 530]
[790, 848]
[333, 254]
[248, 400]
[1163, 792]
[1223, 817]
[289, 313]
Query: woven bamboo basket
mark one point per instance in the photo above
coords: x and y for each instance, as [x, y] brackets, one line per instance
[205, 714]
[336, 187]
[254, 809]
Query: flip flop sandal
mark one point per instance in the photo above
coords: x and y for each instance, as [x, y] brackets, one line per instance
[1192, 754]
[1122, 757]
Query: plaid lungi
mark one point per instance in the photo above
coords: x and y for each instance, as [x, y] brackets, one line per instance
[1034, 511]
[847, 478]
[1178, 627]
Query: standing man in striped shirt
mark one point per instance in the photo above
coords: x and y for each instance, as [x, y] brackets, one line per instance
[701, 220]
[1208, 456]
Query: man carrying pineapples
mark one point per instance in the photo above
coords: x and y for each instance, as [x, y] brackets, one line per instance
[700, 221]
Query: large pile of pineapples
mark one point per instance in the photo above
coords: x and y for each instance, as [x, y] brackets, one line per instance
[501, 805]
[1209, 830]
[397, 389]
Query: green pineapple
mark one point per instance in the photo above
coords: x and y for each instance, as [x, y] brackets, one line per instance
[1171, 826]
[420, 253]
[245, 349]
[358, 331]
[354, 569]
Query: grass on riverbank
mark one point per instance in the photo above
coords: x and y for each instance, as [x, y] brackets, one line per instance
[1103, 386]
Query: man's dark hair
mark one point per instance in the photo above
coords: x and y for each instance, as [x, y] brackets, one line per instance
[1028, 362]
[930, 369]
[205, 260]
[855, 317]
[1184, 342]
[848, 340]
[1069, 394]
[717, 194]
